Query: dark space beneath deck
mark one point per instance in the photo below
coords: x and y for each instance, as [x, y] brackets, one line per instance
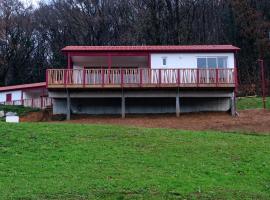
[140, 105]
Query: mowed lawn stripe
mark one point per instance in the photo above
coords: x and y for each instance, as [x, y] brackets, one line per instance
[73, 161]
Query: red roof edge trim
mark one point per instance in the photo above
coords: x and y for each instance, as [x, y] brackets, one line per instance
[171, 48]
[23, 86]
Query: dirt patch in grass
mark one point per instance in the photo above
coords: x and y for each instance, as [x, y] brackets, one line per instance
[39, 116]
[252, 121]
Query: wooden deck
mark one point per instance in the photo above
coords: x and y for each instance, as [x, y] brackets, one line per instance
[80, 86]
[140, 78]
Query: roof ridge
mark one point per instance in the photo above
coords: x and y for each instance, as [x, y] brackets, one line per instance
[209, 47]
[22, 86]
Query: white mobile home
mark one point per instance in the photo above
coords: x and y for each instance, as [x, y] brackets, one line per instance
[144, 79]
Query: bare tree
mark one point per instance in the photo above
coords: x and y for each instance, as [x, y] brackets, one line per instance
[31, 39]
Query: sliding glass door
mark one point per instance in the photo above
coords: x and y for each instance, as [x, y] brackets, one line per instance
[210, 64]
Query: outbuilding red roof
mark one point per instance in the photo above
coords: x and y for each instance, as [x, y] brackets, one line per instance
[23, 86]
[174, 48]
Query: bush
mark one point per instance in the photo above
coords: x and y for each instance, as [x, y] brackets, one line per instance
[20, 110]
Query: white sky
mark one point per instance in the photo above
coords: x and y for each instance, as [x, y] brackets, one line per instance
[33, 2]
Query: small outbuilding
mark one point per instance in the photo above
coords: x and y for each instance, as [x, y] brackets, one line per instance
[30, 95]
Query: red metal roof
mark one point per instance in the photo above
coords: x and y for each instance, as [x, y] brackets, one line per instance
[179, 48]
[23, 86]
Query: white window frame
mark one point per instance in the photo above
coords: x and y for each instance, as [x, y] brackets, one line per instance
[207, 74]
[216, 57]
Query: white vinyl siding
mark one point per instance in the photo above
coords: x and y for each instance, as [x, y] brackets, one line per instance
[189, 60]
[15, 95]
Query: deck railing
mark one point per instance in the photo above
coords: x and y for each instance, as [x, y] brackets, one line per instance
[140, 77]
[41, 103]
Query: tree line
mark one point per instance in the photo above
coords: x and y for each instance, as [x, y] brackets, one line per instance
[31, 38]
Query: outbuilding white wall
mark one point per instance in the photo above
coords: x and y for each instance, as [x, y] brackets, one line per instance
[16, 95]
[32, 94]
[27, 94]
[185, 60]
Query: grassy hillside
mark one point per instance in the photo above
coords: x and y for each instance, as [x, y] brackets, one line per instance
[67, 161]
[244, 103]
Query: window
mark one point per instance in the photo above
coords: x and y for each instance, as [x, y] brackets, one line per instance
[164, 61]
[8, 97]
[212, 62]
[222, 62]
[201, 62]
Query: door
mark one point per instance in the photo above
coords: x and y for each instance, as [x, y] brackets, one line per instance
[8, 97]
[207, 68]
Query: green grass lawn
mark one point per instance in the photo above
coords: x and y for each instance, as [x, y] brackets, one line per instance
[72, 161]
[244, 103]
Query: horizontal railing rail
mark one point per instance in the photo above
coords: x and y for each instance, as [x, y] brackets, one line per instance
[41, 103]
[125, 77]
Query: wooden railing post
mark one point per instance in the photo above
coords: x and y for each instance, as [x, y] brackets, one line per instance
[109, 76]
[149, 72]
[122, 77]
[102, 76]
[235, 78]
[84, 72]
[141, 81]
[178, 77]
[198, 77]
[217, 77]
[159, 76]
[65, 77]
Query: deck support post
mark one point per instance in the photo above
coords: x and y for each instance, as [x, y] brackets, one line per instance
[68, 106]
[177, 106]
[123, 106]
[233, 105]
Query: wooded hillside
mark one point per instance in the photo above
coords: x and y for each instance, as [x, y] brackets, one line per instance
[31, 38]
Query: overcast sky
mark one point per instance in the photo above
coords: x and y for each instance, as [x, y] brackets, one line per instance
[34, 2]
